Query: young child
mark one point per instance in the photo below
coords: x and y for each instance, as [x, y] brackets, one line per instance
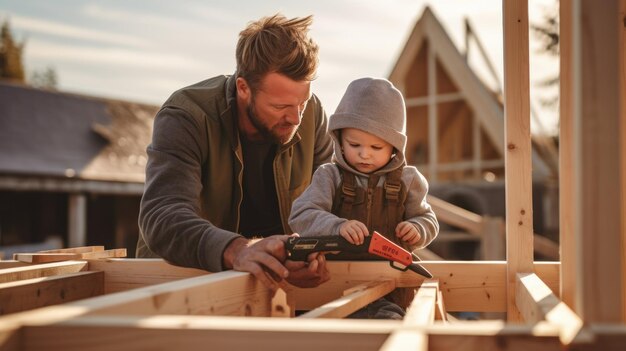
[368, 186]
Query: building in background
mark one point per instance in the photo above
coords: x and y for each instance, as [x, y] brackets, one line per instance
[455, 131]
[71, 166]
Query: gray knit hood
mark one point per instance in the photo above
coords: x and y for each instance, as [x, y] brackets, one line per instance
[375, 106]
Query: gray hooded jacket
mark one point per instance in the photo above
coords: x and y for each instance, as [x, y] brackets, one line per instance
[377, 107]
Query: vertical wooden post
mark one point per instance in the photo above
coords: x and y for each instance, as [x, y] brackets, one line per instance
[518, 175]
[566, 155]
[622, 97]
[476, 147]
[433, 130]
[77, 220]
[599, 184]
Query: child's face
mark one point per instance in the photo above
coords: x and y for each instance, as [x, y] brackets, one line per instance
[363, 151]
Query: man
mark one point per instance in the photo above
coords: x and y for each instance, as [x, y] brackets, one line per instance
[230, 154]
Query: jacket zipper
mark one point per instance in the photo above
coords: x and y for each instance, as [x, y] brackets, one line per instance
[240, 184]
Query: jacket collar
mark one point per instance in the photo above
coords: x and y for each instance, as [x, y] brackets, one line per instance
[229, 115]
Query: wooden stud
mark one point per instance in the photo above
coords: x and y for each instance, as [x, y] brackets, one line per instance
[538, 303]
[598, 184]
[353, 301]
[518, 177]
[420, 313]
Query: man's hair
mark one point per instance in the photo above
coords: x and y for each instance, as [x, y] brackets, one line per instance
[276, 44]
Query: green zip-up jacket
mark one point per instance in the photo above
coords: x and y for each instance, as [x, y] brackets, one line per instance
[191, 203]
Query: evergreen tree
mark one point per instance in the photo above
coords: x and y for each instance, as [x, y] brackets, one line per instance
[11, 66]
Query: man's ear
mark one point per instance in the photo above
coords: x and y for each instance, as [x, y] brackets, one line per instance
[243, 89]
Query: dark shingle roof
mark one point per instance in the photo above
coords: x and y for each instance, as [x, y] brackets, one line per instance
[56, 134]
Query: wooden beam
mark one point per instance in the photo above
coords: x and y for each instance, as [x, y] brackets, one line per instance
[457, 216]
[597, 128]
[622, 73]
[477, 286]
[41, 270]
[420, 313]
[566, 155]
[492, 335]
[34, 293]
[518, 175]
[538, 303]
[123, 274]
[80, 249]
[107, 333]
[45, 257]
[433, 120]
[355, 299]
[439, 98]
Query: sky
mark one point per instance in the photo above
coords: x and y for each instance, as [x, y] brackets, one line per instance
[143, 50]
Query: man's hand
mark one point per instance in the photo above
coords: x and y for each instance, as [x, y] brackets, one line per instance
[263, 259]
[308, 274]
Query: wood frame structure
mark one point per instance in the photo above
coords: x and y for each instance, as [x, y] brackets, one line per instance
[576, 304]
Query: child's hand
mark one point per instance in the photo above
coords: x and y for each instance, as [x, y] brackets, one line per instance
[408, 233]
[354, 231]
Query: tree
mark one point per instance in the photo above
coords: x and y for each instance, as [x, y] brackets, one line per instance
[11, 66]
[46, 79]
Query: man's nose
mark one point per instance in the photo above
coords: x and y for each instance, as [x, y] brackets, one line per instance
[294, 115]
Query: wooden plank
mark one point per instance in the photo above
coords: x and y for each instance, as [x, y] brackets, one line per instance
[420, 313]
[113, 253]
[34, 293]
[45, 257]
[80, 249]
[42, 270]
[123, 274]
[477, 286]
[357, 298]
[537, 303]
[493, 335]
[433, 120]
[518, 175]
[441, 312]
[4, 264]
[598, 185]
[188, 333]
[226, 293]
[456, 216]
[622, 138]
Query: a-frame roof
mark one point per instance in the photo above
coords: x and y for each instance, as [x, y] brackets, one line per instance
[483, 102]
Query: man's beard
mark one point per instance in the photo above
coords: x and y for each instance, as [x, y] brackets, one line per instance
[268, 134]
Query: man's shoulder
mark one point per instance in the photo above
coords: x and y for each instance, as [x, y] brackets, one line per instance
[208, 97]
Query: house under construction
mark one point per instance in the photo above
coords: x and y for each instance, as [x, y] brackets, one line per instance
[577, 303]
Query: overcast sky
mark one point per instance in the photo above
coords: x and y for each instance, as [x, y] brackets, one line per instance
[143, 50]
